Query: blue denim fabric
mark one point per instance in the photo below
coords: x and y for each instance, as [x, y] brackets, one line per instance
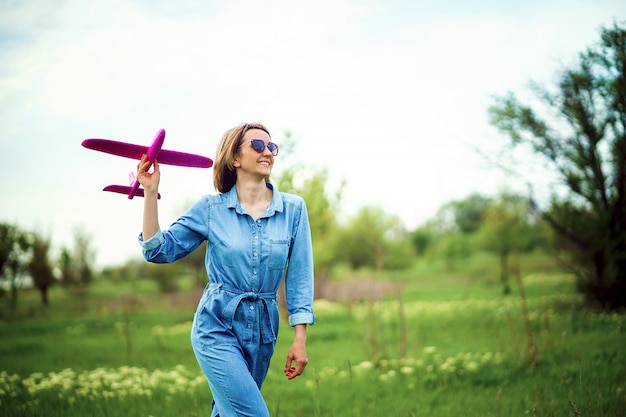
[236, 322]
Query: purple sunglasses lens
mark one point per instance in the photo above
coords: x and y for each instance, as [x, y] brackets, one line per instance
[259, 146]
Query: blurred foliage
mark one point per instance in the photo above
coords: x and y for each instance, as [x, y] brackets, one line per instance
[77, 263]
[465, 216]
[376, 239]
[40, 268]
[13, 252]
[578, 128]
[508, 228]
[25, 259]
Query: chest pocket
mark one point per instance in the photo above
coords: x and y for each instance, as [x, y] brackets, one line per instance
[279, 251]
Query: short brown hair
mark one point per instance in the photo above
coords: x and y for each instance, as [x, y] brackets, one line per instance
[224, 172]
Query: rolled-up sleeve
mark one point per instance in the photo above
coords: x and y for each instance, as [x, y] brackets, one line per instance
[152, 243]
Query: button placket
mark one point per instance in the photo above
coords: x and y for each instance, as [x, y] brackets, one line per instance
[255, 255]
[251, 319]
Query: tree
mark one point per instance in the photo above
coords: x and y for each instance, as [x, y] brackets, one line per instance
[39, 266]
[455, 223]
[69, 275]
[77, 264]
[422, 238]
[374, 238]
[470, 212]
[14, 247]
[582, 135]
[507, 229]
[463, 216]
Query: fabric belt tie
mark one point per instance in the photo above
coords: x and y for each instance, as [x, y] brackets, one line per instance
[265, 318]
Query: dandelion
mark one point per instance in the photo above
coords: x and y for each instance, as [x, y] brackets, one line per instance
[327, 372]
[429, 349]
[407, 370]
[365, 365]
[471, 366]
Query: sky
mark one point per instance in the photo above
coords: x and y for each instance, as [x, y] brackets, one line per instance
[390, 96]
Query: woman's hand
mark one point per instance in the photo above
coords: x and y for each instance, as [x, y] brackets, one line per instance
[149, 180]
[297, 354]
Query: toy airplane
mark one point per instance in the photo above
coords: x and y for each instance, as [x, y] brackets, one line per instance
[153, 152]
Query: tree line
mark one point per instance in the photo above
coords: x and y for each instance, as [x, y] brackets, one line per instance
[26, 255]
[372, 239]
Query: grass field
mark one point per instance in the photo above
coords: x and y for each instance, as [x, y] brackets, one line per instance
[448, 344]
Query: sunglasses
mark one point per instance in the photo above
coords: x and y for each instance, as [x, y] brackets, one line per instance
[259, 146]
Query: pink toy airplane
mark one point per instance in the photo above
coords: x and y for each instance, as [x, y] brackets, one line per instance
[154, 152]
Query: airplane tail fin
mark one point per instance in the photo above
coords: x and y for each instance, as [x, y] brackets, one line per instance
[122, 189]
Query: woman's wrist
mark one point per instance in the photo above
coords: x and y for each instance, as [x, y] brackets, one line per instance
[299, 333]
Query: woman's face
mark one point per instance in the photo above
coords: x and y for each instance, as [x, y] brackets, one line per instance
[249, 160]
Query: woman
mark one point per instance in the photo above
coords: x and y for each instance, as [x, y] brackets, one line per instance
[254, 233]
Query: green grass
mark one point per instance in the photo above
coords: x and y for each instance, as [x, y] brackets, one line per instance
[450, 344]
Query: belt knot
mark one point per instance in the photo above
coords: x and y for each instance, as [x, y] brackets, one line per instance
[265, 318]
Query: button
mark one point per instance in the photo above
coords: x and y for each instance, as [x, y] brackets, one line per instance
[251, 307]
[255, 237]
[254, 272]
[255, 254]
[249, 325]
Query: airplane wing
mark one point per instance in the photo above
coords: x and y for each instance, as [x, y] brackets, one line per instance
[122, 189]
[129, 150]
[183, 159]
[114, 147]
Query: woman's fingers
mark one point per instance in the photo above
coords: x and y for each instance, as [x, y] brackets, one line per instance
[142, 166]
[148, 179]
[293, 371]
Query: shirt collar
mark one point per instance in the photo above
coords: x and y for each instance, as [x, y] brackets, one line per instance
[276, 204]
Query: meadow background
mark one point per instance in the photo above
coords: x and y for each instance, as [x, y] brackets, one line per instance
[427, 341]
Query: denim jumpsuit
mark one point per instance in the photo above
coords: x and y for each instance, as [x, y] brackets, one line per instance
[236, 323]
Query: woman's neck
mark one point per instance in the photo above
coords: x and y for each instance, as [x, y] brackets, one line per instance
[255, 197]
